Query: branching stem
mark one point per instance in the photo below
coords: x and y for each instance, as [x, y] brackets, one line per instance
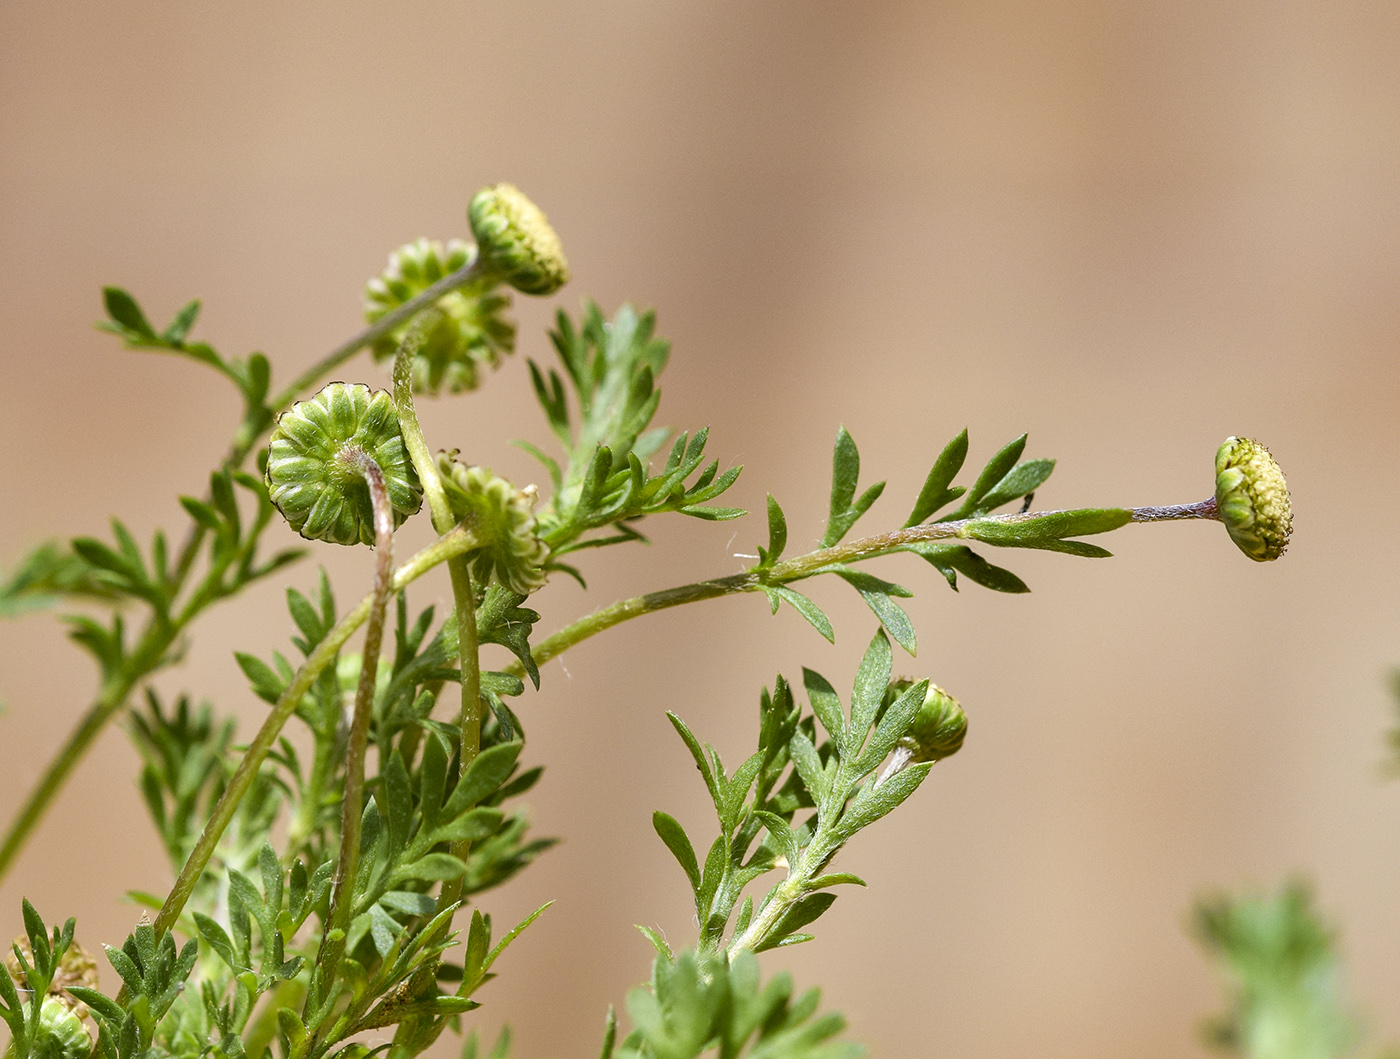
[459, 568]
[158, 635]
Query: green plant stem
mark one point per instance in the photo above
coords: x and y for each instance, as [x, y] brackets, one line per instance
[347, 349]
[797, 568]
[116, 690]
[815, 856]
[343, 893]
[111, 699]
[459, 568]
[455, 543]
[463, 596]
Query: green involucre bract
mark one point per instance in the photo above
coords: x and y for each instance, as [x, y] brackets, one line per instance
[473, 331]
[516, 241]
[938, 729]
[318, 490]
[505, 517]
[59, 1035]
[1252, 498]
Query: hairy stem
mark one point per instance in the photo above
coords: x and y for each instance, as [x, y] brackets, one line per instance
[375, 331]
[343, 894]
[455, 543]
[814, 857]
[803, 566]
[1206, 508]
[459, 568]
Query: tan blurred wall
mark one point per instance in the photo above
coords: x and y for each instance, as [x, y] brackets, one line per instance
[1131, 229]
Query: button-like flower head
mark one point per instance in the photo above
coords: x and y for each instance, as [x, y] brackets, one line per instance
[312, 474]
[504, 516]
[938, 729]
[1252, 498]
[474, 331]
[515, 240]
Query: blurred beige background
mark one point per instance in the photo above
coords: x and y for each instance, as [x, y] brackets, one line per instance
[1131, 229]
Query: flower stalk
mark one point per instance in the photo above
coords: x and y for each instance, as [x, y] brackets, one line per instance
[343, 893]
[458, 542]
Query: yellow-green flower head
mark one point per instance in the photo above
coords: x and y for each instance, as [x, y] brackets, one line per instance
[473, 332]
[1252, 498]
[938, 729]
[515, 240]
[504, 515]
[311, 474]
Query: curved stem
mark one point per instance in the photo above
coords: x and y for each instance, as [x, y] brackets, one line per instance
[155, 640]
[802, 566]
[375, 331]
[455, 543]
[113, 696]
[343, 894]
[459, 568]
[413, 439]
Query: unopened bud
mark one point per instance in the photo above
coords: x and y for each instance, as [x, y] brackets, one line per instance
[60, 1033]
[472, 332]
[1252, 499]
[515, 556]
[515, 240]
[938, 729]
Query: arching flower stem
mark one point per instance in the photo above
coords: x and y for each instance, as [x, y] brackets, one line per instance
[343, 893]
[458, 569]
[803, 566]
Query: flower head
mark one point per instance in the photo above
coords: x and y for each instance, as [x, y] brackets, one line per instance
[473, 332]
[1252, 499]
[515, 556]
[60, 1033]
[938, 729]
[515, 240]
[312, 471]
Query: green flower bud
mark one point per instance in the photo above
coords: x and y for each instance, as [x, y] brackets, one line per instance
[938, 729]
[515, 556]
[473, 331]
[515, 240]
[60, 1033]
[311, 474]
[1251, 497]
